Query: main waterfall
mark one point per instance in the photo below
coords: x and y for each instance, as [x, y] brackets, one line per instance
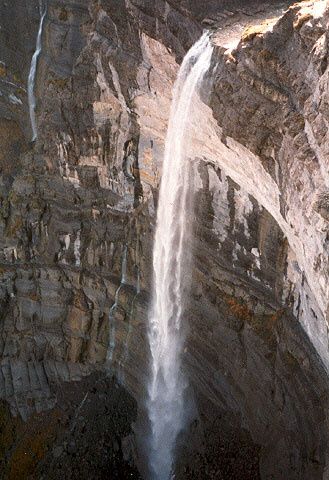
[33, 72]
[171, 267]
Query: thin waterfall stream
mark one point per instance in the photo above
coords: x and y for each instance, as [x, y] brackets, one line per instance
[114, 307]
[171, 266]
[33, 73]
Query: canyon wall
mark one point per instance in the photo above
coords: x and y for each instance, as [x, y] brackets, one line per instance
[78, 210]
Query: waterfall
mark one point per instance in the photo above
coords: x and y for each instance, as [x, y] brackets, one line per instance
[125, 353]
[114, 307]
[32, 74]
[171, 268]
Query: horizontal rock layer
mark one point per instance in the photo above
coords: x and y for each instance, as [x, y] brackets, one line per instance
[77, 212]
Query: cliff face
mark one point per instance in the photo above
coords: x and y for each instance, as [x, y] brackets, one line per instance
[265, 185]
[78, 210]
[73, 203]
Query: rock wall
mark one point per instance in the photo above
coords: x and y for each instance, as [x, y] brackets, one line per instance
[78, 210]
[279, 70]
[74, 201]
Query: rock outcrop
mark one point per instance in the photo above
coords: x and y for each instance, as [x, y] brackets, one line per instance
[74, 201]
[77, 213]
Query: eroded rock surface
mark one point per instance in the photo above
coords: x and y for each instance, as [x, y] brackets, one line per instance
[77, 213]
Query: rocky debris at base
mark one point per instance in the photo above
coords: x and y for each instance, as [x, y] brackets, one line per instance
[73, 202]
[87, 436]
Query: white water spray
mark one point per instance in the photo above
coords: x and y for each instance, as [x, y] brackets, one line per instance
[171, 267]
[33, 72]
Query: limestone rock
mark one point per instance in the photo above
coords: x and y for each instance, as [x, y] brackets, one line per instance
[77, 218]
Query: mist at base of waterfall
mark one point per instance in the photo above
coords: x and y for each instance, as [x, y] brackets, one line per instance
[166, 404]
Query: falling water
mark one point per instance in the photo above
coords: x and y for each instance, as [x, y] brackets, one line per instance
[125, 353]
[171, 267]
[32, 74]
[114, 307]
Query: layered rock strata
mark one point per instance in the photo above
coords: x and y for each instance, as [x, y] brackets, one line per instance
[78, 209]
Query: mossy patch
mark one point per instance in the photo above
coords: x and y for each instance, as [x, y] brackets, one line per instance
[15, 226]
[7, 433]
[59, 83]
[24, 445]
[63, 15]
[29, 452]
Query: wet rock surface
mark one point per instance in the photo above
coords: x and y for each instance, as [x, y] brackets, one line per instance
[82, 198]
[225, 453]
